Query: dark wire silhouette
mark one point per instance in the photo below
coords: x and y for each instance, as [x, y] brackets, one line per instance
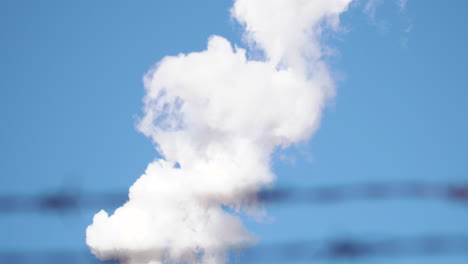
[355, 249]
[329, 250]
[70, 201]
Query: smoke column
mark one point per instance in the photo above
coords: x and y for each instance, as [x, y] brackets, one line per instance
[216, 116]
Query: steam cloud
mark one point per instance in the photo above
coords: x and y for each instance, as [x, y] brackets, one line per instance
[216, 116]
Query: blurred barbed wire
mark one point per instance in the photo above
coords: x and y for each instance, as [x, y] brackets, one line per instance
[330, 250]
[67, 201]
[355, 249]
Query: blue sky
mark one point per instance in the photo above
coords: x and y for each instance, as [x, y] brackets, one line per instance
[71, 82]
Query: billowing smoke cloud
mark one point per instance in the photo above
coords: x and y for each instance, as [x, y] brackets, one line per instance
[216, 116]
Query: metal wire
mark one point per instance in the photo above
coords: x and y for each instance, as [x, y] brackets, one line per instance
[328, 250]
[68, 201]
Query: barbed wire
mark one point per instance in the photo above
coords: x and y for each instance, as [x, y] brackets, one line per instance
[66, 201]
[355, 249]
[71, 200]
[330, 250]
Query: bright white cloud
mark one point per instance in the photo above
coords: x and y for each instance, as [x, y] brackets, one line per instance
[220, 115]
[288, 31]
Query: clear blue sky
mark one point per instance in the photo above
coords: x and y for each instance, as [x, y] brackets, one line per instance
[71, 89]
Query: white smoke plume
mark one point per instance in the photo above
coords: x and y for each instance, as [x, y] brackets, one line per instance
[216, 116]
